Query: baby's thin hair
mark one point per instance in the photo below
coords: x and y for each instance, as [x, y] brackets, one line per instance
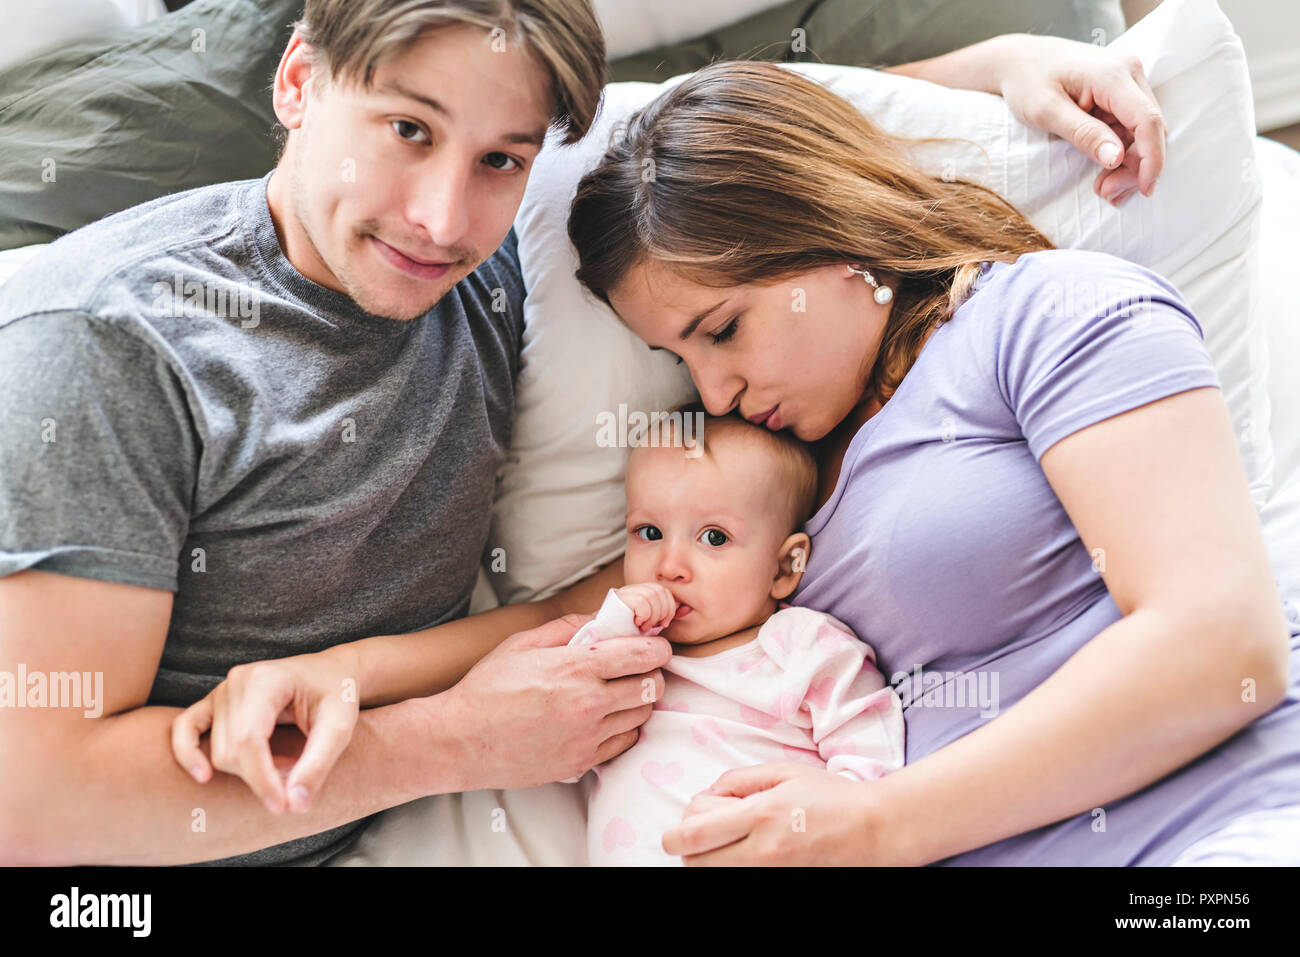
[798, 465]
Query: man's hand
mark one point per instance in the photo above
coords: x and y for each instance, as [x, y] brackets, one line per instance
[1095, 98]
[534, 710]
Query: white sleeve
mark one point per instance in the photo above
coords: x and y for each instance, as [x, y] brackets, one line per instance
[857, 719]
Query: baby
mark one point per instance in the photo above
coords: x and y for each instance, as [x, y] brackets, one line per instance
[713, 546]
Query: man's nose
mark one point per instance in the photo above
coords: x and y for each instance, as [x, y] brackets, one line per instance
[441, 202]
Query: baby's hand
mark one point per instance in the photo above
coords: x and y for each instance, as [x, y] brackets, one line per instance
[653, 605]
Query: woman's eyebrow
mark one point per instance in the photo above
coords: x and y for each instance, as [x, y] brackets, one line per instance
[694, 324]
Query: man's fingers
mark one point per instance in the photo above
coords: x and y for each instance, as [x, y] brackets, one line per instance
[613, 746]
[632, 655]
[1132, 102]
[554, 633]
[330, 733]
[636, 690]
[619, 722]
[187, 728]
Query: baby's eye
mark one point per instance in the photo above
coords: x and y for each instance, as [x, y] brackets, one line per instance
[714, 536]
[652, 533]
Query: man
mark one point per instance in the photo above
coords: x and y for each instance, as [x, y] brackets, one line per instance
[261, 419]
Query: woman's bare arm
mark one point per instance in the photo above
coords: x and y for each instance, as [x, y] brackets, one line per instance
[392, 668]
[1202, 649]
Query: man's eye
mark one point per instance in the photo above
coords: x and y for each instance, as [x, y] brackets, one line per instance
[408, 130]
[715, 537]
[653, 533]
[508, 159]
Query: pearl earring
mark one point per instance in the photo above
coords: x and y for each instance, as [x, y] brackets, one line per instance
[882, 294]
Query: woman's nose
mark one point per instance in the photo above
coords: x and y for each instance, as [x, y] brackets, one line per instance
[717, 392]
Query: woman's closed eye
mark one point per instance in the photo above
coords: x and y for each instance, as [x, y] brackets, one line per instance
[721, 336]
[726, 332]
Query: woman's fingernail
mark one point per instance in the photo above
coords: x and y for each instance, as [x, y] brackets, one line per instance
[272, 806]
[197, 773]
[1107, 154]
[298, 797]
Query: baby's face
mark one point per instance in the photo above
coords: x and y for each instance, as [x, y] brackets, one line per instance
[710, 529]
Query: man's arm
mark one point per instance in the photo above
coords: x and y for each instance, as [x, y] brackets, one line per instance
[73, 790]
[1095, 98]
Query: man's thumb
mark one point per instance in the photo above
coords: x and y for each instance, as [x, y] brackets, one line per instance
[1090, 136]
[555, 632]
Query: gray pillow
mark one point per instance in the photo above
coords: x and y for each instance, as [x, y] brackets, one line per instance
[876, 32]
[99, 126]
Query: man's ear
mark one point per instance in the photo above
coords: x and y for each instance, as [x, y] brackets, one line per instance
[289, 92]
[792, 559]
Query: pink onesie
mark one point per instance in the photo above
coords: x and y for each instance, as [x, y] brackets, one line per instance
[805, 689]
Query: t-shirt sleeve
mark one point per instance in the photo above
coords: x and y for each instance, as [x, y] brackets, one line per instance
[98, 464]
[1083, 337]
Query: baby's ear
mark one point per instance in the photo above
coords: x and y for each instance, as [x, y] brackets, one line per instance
[791, 562]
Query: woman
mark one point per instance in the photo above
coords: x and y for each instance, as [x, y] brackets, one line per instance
[1035, 508]
[976, 518]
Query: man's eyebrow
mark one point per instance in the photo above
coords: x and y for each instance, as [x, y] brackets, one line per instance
[694, 324]
[533, 137]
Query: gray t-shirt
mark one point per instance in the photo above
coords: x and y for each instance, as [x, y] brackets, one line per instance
[181, 409]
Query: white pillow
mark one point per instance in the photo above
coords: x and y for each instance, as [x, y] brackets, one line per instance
[631, 26]
[31, 29]
[559, 510]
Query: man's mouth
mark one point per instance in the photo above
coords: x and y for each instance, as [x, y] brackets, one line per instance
[409, 264]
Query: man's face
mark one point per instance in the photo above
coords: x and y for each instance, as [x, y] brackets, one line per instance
[389, 198]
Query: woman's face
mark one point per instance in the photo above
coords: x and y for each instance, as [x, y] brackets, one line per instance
[803, 346]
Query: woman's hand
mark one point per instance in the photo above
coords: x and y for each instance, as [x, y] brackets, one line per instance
[317, 692]
[783, 814]
[1096, 98]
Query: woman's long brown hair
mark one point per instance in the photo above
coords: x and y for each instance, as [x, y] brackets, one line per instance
[747, 172]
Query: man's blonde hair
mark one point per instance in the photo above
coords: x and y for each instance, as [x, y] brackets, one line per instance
[354, 36]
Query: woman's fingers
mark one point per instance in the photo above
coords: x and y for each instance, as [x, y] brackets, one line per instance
[331, 731]
[244, 718]
[709, 830]
[187, 728]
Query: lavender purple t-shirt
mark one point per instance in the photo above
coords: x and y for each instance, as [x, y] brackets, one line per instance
[944, 547]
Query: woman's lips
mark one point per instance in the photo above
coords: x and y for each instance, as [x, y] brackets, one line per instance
[409, 265]
[771, 418]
